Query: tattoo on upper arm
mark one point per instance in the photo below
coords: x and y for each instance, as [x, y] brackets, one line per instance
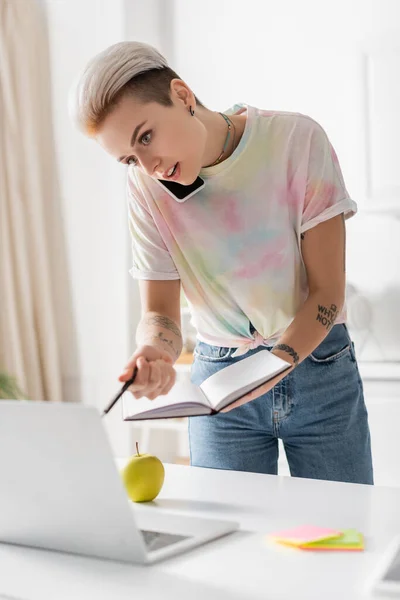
[302, 235]
[289, 350]
[165, 322]
[327, 316]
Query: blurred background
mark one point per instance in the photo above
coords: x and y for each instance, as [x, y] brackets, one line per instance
[68, 307]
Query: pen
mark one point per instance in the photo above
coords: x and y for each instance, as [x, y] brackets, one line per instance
[121, 391]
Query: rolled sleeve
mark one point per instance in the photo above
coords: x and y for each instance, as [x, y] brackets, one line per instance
[326, 195]
[151, 258]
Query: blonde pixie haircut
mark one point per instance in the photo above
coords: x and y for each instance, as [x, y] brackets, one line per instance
[124, 68]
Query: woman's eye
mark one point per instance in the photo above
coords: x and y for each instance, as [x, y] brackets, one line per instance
[146, 138]
[145, 141]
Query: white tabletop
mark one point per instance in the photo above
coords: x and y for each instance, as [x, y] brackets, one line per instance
[242, 566]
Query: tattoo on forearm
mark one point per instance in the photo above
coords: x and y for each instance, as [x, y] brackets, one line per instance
[158, 328]
[166, 323]
[327, 316]
[289, 350]
[161, 338]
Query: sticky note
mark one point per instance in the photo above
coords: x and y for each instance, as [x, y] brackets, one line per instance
[304, 535]
[351, 539]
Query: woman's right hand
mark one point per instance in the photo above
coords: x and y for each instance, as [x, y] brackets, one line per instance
[155, 372]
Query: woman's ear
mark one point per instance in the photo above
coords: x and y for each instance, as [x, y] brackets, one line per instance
[182, 93]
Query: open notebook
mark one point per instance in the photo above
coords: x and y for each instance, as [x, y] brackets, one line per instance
[224, 387]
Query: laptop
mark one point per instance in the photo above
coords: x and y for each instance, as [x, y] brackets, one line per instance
[60, 489]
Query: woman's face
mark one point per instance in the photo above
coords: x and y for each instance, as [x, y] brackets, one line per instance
[165, 142]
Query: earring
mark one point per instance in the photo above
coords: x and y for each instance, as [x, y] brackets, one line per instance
[191, 111]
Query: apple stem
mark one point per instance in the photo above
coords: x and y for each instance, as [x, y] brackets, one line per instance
[137, 448]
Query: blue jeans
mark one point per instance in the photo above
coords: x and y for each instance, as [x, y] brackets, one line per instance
[317, 410]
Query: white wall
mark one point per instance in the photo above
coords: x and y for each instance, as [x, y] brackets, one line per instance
[93, 201]
[105, 298]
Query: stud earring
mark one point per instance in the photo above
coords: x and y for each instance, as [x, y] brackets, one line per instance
[191, 111]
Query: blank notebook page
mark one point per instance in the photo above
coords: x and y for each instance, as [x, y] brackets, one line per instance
[183, 393]
[242, 375]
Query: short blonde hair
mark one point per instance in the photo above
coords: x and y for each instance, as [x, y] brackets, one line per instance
[126, 67]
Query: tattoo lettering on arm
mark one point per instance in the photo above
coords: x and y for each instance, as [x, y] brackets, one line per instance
[327, 316]
[289, 350]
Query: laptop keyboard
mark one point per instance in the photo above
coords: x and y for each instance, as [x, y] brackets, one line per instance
[155, 540]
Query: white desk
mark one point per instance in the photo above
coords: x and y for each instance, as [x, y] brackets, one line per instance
[242, 566]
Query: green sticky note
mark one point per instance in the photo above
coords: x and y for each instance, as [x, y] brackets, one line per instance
[351, 539]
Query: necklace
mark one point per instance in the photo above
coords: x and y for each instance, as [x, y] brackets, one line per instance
[231, 125]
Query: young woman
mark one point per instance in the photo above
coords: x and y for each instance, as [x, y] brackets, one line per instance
[260, 253]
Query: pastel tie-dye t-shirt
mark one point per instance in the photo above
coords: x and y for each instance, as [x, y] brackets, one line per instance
[235, 244]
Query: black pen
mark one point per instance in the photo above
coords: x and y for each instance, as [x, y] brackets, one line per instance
[121, 391]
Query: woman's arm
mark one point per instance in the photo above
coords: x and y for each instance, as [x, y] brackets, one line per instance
[160, 325]
[323, 248]
[158, 337]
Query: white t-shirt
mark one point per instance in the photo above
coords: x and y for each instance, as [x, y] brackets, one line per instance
[235, 244]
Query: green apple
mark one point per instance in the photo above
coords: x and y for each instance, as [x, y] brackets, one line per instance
[143, 477]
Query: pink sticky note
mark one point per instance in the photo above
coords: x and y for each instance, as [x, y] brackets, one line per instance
[304, 534]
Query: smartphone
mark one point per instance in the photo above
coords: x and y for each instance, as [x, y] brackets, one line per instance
[180, 192]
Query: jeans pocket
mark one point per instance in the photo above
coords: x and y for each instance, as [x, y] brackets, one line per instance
[331, 357]
[335, 346]
[209, 353]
